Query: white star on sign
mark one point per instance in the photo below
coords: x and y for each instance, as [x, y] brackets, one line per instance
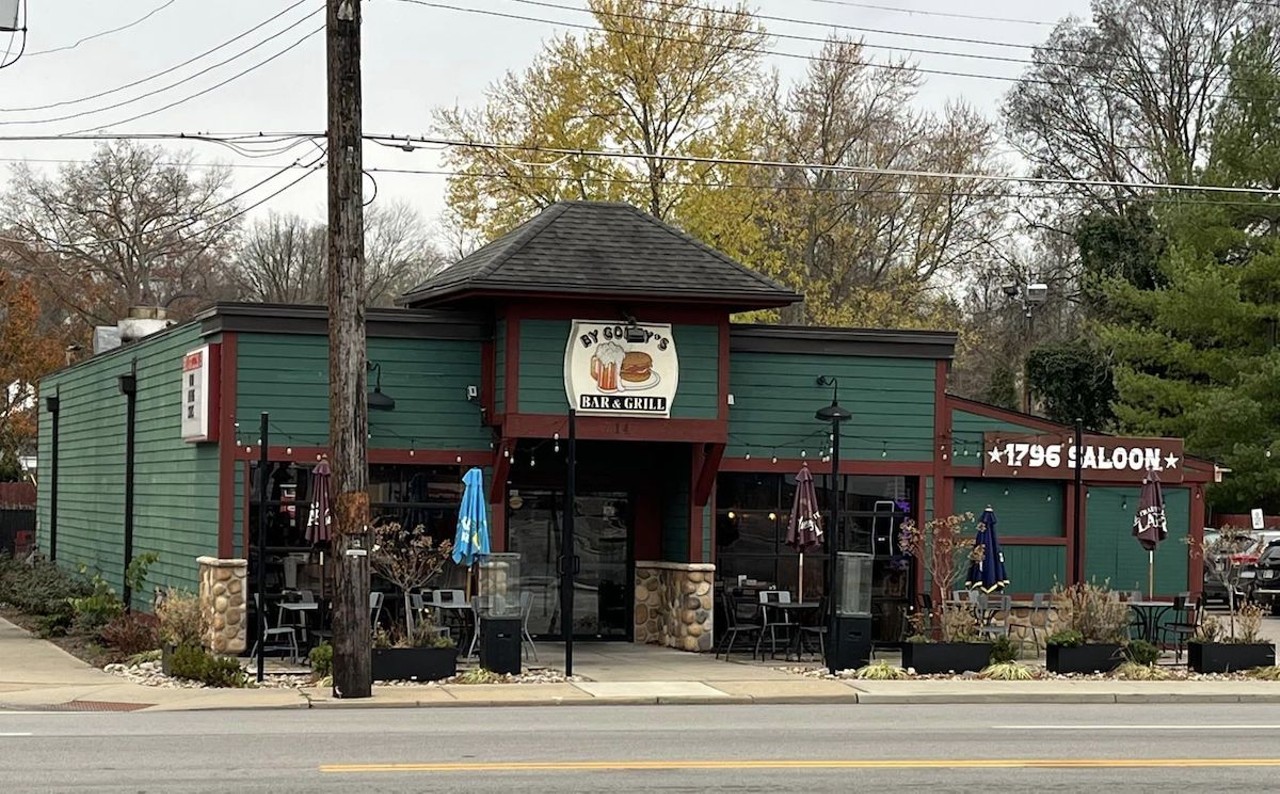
[995, 455]
[1171, 462]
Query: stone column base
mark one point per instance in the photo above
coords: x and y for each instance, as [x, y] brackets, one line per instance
[674, 605]
[223, 586]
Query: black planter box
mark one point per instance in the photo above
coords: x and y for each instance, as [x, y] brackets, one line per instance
[1221, 657]
[927, 658]
[414, 664]
[1101, 658]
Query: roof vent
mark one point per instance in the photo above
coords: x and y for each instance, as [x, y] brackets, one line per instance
[142, 321]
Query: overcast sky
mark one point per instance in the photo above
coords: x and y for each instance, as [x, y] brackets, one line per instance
[415, 59]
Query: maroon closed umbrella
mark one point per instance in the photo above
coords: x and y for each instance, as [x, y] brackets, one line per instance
[804, 529]
[319, 516]
[1150, 526]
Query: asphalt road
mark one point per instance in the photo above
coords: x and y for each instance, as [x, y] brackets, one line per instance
[666, 748]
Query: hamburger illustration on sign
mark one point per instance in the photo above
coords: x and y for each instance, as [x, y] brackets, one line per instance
[616, 369]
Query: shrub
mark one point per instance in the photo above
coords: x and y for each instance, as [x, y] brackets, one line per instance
[1142, 652]
[1004, 649]
[217, 671]
[1007, 671]
[181, 620]
[38, 588]
[54, 625]
[478, 675]
[1092, 610]
[1068, 638]
[880, 671]
[321, 658]
[1265, 673]
[131, 633]
[98, 608]
[1132, 671]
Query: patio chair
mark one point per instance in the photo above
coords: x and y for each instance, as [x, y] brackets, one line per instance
[988, 606]
[1039, 604]
[1185, 623]
[526, 609]
[268, 633]
[733, 627]
[774, 619]
[817, 629]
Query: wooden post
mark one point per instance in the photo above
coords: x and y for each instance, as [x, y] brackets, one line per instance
[348, 401]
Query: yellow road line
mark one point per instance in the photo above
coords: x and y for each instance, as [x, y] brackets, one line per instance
[942, 763]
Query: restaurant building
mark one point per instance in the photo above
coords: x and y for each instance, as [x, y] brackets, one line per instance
[691, 430]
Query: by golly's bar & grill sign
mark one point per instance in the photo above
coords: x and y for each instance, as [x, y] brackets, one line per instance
[1107, 458]
[612, 369]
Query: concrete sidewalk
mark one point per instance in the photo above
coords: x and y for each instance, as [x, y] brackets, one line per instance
[37, 675]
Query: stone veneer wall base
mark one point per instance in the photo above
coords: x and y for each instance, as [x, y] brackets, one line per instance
[674, 605]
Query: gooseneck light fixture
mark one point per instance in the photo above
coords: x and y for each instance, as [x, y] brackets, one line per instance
[377, 400]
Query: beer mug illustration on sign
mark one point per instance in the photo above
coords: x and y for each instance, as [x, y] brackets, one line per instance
[605, 365]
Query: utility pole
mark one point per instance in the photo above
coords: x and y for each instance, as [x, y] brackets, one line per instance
[348, 400]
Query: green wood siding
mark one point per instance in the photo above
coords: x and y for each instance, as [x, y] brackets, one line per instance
[966, 435]
[1035, 569]
[1112, 553]
[500, 366]
[175, 483]
[1028, 509]
[675, 512]
[775, 396]
[928, 498]
[288, 376]
[542, 345]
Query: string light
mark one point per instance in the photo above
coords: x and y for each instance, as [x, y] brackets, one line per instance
[288, 450]
[532, 461]
[775, 458]
[748, 456]
[413, 442]
[459, 459]
[557, 440]
[804, 453]
[884, 450]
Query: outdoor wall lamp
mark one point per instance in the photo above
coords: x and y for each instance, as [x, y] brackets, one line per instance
[52, 404]
[128, 383]
[634, 333]
[377, 400]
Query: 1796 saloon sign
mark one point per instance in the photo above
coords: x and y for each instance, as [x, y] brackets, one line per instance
[611, 369]
[1107, 458]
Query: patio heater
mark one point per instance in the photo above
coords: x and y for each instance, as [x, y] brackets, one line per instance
[848, 615]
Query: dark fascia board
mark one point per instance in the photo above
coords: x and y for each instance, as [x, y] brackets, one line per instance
[933, 345]
[736, 301]
[268, 318]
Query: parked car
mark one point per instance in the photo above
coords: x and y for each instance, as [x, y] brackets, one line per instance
[1264, 589]
[1239, 549]
[1248, 560]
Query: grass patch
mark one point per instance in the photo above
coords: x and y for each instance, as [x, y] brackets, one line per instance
[1007, 671]
[1132, 671]
[881, 671]
[1265, 673]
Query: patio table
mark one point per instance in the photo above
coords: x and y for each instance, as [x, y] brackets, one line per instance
[1149, 614]
[799, 613]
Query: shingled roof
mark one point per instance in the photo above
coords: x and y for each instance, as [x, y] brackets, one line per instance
[601, 249]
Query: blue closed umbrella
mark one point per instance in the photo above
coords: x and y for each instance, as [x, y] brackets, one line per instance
[471, 542]
[987, 574]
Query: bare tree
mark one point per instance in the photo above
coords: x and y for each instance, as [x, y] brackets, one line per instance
[282, 257]
[281, 260]
[131, 227]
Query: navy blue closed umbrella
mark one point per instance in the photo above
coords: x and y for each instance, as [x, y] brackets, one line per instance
[987, 574]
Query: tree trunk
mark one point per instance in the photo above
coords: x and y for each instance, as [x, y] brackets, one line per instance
[348, 402]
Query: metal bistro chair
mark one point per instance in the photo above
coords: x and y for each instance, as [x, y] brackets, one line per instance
[734, 625]
[1185, 623]
[267, 633]
[1039, 604]
[375, 610]
[774, 619]
[987, 607]
[526, 609]
[817, 629]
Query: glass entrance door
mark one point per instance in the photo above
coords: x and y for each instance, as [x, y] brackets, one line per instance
[602, 540]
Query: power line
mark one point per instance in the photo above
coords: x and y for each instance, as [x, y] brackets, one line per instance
[171, 69]
[211, 88]
[947, 14]
[134, 23]
[763, 51]
[565, 152]
[781, 188]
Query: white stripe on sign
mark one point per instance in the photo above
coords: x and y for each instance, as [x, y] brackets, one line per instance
[1202, 727]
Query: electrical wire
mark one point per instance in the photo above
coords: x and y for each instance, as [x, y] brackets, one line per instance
[835, 168]
[170, 70]
[902, 67]
[211, 88]
[816, 189]
[947, 14]
[162, 89]
[104, 33]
